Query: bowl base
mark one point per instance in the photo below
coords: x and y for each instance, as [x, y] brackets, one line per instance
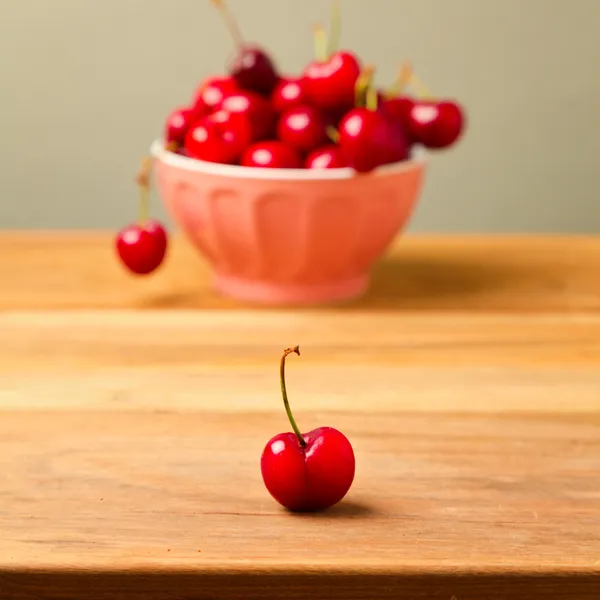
[267, 292]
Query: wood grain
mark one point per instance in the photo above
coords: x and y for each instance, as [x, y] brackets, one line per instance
[76, 270]
[130, 433]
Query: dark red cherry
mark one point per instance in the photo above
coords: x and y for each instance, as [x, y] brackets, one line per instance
[436, 124]
[177, 125]
[253, 70]
[211, 92]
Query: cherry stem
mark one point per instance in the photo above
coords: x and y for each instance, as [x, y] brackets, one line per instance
[334, 33]
[362, 83]
[333, 134]
[371, 99]
[404, 76]
[230, 22]
[143, 181]
[422, 91]
[286, 403]
[320, 43]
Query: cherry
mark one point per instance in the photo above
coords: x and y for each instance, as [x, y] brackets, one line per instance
[177, 125]
[326, 157]
[369, 138]
[288, 93]
[211, 92]
[219, 137]
[142, 246]
[436, 124]
[271, 154]
[255, 108]
[303, 127]
[251, 68]
[330, 83]
[307, 472]
[398, 108]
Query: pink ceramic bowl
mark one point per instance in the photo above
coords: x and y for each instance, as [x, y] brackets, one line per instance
[288, 236]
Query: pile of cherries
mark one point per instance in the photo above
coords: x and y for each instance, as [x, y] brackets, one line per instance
[330, 116]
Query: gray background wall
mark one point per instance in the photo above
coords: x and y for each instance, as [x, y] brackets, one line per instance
[85, 85]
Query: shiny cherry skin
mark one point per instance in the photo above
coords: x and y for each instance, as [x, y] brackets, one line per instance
[255, 108]
[330, 84]
[271, 154]
[288, 93]
[211, 92]
[370, 139]
[326, 157]
[219, 137]
[253, 70]
[177, 125]
[436, 124]
[142, 248]
[398, 108]
[302, 127]
[309, 478]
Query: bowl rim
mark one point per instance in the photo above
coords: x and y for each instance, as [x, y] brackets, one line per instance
[159, 151]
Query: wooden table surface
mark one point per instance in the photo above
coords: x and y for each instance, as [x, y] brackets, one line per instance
[133, 414]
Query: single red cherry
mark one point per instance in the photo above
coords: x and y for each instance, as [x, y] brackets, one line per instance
[307, 472]
[210, 94]
[303, 127]
[177, 125]
[398, 108]
[271, 154]
[220, 137]
[369, 139]
[330, 84]
[436, 124]
[255, 108]
[326, 157]
[288, 93]
[254, 70]
[142, 246]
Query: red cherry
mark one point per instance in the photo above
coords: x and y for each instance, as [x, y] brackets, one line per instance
[303, 127]
[219, 137]
[330, 84]
[211, 92]
[253, 70]
[288, 93]
[142, 248]
[398, 108]
[327, 157]
[307, 472]
[370, 138]
[436, 124]
[255, 109]
[272, 155]
[177, 125]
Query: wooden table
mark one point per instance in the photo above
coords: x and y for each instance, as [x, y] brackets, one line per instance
[133, 414]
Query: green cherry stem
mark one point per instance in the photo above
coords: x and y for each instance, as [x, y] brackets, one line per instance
[403, 79]
[286, 403]
[333, 134]
[334, 33]
[320, 38]
[361, 85]
[371, 99]
[422, 91]
[230, 22]
[143, 181]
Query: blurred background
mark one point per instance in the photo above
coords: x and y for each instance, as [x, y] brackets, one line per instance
[86, 85]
